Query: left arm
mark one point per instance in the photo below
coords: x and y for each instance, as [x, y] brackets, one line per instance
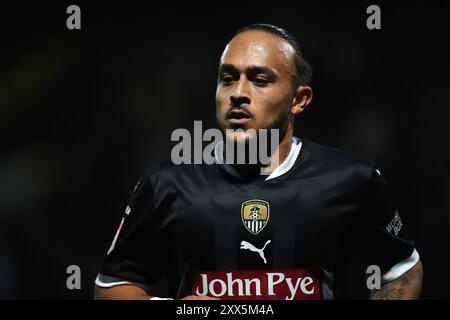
[406, 287]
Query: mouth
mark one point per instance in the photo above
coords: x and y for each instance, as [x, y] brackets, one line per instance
[238, 117]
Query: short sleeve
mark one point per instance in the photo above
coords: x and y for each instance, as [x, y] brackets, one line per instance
[136, 254]
[379, 236]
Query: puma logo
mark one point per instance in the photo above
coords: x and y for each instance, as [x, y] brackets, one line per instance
[248, 246]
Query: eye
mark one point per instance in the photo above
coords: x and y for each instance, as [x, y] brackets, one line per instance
[226, 79]
[261, 82]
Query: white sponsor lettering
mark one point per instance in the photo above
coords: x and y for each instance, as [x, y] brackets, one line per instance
[272, 283]
[247, 287]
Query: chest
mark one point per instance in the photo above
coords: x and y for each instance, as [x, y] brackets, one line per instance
[290, 221]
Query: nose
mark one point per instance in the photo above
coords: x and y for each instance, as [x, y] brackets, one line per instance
[240, 94]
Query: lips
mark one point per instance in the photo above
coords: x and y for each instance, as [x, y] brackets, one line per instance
[238, 116]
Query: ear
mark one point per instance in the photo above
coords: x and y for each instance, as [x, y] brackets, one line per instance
[302, 98]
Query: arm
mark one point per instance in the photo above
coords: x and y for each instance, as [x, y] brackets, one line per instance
[132, 292]
[130, 250]
[123, 292]
[406, 287]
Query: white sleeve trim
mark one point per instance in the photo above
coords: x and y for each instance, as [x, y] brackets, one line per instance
[105, 281]
[401, 268]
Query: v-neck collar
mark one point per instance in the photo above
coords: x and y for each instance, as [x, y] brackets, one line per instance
[283, 168]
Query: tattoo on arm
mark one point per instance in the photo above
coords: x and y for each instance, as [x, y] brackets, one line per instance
[394, 290]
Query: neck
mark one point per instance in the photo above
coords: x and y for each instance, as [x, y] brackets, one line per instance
[276, 159]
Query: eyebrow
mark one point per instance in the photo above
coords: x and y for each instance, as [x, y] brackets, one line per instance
[226, 67]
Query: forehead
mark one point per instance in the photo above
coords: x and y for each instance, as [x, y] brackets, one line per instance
[259, 48]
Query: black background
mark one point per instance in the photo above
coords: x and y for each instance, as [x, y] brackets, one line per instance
[84, 112]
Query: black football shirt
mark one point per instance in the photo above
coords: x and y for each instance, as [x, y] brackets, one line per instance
[207, 232]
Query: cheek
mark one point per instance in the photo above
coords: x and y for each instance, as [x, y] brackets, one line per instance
[270, 104]
[220, 99]
[221, 105]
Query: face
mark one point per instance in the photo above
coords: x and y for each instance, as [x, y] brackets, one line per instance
[256, 87]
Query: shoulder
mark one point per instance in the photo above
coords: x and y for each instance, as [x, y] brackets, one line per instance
[333, 161]
[167, 173]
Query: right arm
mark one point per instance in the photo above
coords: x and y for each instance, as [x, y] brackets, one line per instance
[124, 292]
[132, 292]
[136, 241]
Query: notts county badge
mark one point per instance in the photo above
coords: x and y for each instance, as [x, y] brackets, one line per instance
[255, 215]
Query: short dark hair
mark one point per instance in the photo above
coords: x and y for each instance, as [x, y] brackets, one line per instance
[304, 69]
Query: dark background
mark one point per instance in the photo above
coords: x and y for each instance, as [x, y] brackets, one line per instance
[83, 113]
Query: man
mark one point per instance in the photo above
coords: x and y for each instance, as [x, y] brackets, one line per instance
[227, 232]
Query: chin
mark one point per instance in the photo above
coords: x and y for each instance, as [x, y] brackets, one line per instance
[240, 136]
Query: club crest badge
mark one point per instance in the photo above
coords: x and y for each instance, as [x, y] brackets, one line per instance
[255, 215]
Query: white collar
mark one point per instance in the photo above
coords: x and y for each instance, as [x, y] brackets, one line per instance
[284, 167]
